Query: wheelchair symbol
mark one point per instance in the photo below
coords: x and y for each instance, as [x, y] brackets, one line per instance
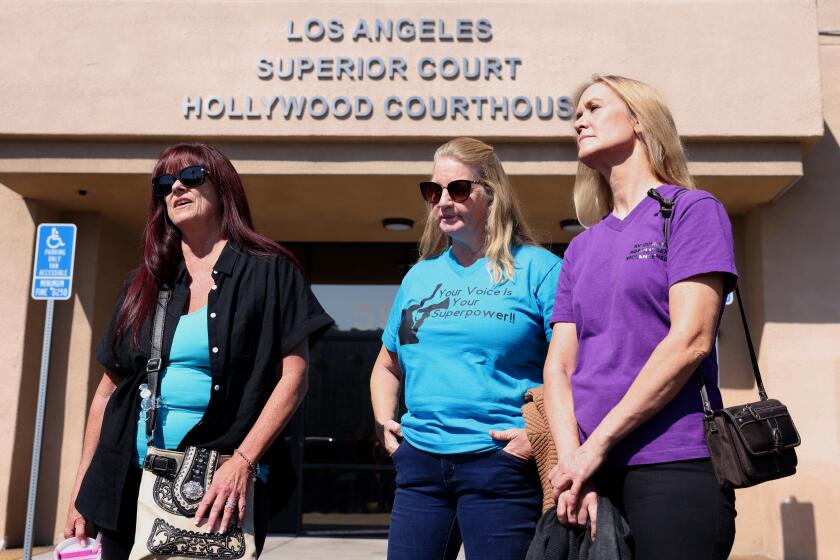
[54, 240]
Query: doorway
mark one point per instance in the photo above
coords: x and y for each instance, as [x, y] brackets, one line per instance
[345, 479]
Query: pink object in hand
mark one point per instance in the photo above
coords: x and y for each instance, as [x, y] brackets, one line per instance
[70, 549]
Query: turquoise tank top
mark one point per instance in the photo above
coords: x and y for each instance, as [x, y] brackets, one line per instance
[184, 386]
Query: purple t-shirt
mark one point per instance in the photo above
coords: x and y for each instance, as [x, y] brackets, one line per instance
[614, 286]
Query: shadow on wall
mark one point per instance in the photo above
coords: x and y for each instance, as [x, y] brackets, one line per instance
[800, 269]
[341, 151]
[805, 263]
[799, 532]
[733, 355]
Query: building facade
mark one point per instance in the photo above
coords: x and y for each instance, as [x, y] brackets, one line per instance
[331, 112]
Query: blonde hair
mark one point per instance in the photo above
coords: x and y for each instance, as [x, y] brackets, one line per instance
[592, 194]
[505, 227]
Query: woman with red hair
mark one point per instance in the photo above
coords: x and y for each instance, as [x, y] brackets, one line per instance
[234, 356]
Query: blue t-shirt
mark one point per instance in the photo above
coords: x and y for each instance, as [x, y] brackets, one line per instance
[469, 348]
[184, 385]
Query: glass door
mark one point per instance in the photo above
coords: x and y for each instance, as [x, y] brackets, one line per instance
[345, 479]
[348, 478]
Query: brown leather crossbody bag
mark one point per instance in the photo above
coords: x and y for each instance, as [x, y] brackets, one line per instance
[748, 443]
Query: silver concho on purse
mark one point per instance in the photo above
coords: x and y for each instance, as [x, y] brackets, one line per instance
[173, 484]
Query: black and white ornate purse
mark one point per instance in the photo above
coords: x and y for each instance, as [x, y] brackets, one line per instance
[172, 486]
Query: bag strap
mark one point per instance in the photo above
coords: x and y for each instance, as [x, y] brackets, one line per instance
[762, 392]
[666, 208]
[154, 364]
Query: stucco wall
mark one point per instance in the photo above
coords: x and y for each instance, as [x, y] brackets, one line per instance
[793, 267]
[124, 68]
[17, 231]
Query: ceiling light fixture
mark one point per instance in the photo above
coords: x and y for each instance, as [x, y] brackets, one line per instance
[571, 226]
[397, 224]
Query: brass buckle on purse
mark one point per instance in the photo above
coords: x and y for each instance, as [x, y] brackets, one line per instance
[161, 466]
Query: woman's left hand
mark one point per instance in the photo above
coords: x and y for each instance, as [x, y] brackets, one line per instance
[229, 487]
[572, 513]
[518, 444]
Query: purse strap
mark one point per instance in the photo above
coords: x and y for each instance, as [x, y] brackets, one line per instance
[666, 208]
[153, 366]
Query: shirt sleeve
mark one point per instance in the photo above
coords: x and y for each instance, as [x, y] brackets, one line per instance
[545, 295]
[105, 348]
[563, 311]
[700, 242]
[390, 336]
[301, 314]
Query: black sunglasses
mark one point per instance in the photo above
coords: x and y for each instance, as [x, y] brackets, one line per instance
[191, 176]
[459, 190]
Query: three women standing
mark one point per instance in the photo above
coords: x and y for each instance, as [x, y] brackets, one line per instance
[634, 323]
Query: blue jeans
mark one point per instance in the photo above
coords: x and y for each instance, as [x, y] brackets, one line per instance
[490, 500]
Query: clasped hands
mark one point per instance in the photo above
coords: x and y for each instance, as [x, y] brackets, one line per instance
[571, 481]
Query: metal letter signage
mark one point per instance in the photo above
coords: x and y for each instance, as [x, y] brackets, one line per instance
[55, 250]
[364, 71]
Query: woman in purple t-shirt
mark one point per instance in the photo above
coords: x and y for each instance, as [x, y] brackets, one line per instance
[634, 326]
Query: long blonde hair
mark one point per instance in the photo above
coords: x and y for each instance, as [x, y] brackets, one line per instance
[505, 228]
[592, 194]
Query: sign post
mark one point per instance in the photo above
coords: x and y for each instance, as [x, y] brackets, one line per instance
[52, 279]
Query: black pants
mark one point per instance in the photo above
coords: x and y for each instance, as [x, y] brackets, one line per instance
[116, 545]
[675, 510]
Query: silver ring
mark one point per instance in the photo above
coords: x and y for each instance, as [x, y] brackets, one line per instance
[231, 503]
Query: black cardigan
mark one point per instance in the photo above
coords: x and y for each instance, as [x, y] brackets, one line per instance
[260, 309]
[553, 541]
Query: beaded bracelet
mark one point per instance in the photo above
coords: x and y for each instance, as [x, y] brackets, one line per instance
[252, 468]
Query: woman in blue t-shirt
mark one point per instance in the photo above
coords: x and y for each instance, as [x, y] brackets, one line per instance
[466, 337]
[634, 325]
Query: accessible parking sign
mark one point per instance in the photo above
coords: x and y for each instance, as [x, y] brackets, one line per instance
[55, 248]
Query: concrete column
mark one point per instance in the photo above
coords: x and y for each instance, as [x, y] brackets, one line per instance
[103, 256]
[20, 346]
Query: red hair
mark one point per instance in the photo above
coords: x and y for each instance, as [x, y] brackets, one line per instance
[162, 240]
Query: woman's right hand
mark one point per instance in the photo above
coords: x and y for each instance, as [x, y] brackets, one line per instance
[77, 526]
[391, 436]
[385, 385]
[575, 469]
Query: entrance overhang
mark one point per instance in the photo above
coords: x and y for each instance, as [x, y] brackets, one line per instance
[341, 191]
